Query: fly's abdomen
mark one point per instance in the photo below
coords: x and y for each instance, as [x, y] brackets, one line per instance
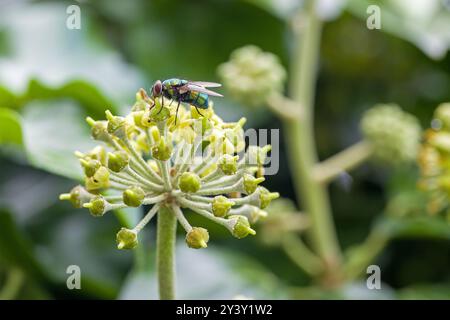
[197, 99]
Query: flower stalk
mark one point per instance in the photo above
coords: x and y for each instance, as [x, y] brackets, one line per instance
[300, 137]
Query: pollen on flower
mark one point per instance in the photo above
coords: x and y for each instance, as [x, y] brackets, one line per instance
[149, 158]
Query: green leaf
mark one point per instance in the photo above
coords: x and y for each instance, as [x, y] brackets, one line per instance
[15, 249]
[52, 132]
[416, 227]
[66, 55]
[86, 94]
[10, 127]
[425, 24]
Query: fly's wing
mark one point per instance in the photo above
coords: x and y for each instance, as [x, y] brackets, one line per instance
[205, 84]
[192, 87]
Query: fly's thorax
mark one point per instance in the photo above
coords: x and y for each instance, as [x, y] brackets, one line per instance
[174, 82]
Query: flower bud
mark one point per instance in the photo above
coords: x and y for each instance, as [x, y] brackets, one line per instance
[99, 130]
[228, 164]
[221, 206]
[158, 113]
[441, 141]
[146, 119]
[97, 206]
[256, 214]
[241, 227]
[189, 182]
[142, 143]
[118, 160]
[162, 151]
[137, 117]
[256, 155]
[77, 196]
[90, 166]
[251, 183]
[197, 238]
[265, 197]
[442, 114]
[126, 239]
[133, 196]
[393, 133]
[99, 153]
[252, 75]
[99, 180]
[116, 125]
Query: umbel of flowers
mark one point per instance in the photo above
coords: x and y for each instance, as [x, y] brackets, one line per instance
[434, 162]
[197, 162]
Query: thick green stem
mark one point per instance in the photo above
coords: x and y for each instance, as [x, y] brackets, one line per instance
[165, 253]
[300, 137]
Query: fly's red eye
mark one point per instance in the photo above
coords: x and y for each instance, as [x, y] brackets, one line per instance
[157, 88]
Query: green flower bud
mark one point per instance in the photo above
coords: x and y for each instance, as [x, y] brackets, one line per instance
[137, 117]
[441, 141]
[116, 125]
[241, 227]
[162, 151]
[158, 113]
[97, 206]
[99, 130]
[256, 155]
[221, 206]
[252, 75]
[90, 166]
[256, 214]
[393, 133]
[442, 115]
[77, 196]
[146, 119]
[251, 183]
[99, 180]
[189, 182]
[265, 197]
[228, 164]
[126, 239]
[133, 196]
[118, 160]
[197, 238]
[99, 153]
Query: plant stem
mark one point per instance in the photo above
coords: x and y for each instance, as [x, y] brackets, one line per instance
[14, 282]
[345, 160]
[360, 257]
[301, 255]
[165, 252]
[300, 137]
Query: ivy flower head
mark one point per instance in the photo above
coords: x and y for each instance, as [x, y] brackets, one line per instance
[148, 158]
[434, 162]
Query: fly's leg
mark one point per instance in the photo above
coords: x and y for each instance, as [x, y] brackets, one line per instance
[162, 105]
[176, 113]
[198, 111]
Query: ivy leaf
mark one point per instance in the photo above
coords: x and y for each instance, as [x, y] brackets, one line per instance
[426, 24]
[66, 55]
[52, 133]
[10, 128]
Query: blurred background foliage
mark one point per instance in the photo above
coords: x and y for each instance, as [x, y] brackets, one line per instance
[52, 77]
